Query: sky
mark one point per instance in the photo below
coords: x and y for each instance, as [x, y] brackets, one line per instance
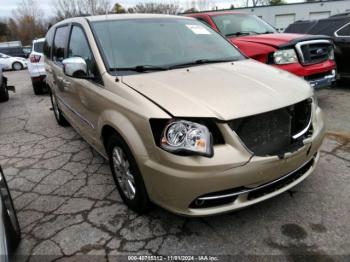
[6, 6]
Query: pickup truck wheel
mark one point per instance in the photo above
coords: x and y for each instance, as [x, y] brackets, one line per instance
[61, 120]
[127, 175]
[4, 93]
[17, 66]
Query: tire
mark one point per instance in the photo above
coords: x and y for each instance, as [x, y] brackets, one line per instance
[4, 93]
[38, 88]
[12, 228]
[61, 120]
[17, 66]
[138, 199]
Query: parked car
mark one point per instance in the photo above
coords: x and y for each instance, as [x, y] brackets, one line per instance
[12, 63]
[27, 50]
[36, 67]
[10, 232]
[4, 88]
[310, 57]
[15, 51]
[186, 121]
[337, 27]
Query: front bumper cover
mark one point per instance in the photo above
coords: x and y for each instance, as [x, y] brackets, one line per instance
[176, 186]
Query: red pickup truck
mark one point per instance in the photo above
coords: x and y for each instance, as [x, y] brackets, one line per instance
[308, 56]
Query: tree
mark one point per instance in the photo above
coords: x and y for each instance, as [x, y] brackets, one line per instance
[72, 8]
[118, 8]
[28, 23]
[254, 3]
[157, 8]
[3, 29]
[276, 2]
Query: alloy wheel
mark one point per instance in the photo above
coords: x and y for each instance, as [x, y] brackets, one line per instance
[125, 177]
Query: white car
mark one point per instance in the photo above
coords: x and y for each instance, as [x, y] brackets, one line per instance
[36, 67]
[12, 63]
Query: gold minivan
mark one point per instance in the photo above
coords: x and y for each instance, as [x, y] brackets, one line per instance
[186, 121]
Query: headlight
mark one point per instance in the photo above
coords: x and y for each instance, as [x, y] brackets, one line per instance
[286, 56]
[182, 136]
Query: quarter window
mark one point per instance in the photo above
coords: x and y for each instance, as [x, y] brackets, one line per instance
[59, 44]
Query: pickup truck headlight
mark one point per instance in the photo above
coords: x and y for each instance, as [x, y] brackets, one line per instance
[180, 136]
[286, 56]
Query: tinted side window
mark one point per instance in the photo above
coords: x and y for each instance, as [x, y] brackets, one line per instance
[345, 31]
[59, 43]
[79, 47]
[48, 43]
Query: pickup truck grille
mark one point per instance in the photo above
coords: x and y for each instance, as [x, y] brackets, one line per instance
[275, 132]
[315, 51]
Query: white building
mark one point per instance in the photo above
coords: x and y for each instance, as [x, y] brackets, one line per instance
[280, 16]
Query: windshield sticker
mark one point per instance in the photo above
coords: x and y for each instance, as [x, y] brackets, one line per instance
[198, 29]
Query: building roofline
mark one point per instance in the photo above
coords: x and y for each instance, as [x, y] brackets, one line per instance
[262, 6]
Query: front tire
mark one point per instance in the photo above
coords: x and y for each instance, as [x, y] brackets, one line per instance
[4, 93]
[61, 120]
[127, 175]
[17, 66]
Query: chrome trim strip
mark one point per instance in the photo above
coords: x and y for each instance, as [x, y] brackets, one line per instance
[258, 187]
[75, 112]
[336, 32]
[300, 44]
[304, 130]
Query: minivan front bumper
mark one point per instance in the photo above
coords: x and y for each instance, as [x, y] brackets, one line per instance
[177, 187]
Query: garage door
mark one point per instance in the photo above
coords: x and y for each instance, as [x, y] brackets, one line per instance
[282, 21]
[319, 15]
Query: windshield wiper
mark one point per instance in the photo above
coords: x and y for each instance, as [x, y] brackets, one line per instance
[140, 68]
[200, 62]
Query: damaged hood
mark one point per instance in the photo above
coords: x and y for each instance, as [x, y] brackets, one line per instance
[224, 91]
[276, 40]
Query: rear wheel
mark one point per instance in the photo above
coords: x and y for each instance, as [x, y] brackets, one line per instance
[4, 93]
[17, 66]
[127, 176]
[61, 120]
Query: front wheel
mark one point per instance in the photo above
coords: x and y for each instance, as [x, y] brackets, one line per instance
[61, 120]
[127, 176]
[17, 66]
[4, 93]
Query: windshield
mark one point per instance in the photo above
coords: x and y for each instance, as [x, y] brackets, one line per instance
[38, 47]
[241, 24]
[160, 43]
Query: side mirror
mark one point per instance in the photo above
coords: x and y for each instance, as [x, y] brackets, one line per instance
[75, 67]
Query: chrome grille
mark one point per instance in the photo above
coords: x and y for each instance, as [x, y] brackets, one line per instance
[315, 51]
